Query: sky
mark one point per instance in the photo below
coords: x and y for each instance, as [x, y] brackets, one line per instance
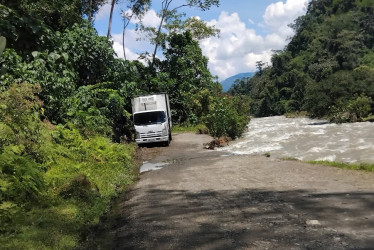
[250, 31]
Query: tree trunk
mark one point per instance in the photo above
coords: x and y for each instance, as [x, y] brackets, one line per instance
[110, 18]
[165, 7]
[90, 12]
[123, 42]
[157, 35]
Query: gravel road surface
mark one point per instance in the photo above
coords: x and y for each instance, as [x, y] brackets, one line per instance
[205, 199]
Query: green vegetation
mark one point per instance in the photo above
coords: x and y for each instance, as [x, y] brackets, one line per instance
[296, 114]
[228, 116]
[343, 165]
[354, 166]
[326, 69]
[370, 118]
[65, 127]
[54, 182]
[199, 129]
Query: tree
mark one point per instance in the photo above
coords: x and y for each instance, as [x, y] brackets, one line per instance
[197, 27]
[110, 17]
[23, 32]
[91, 7]
[188, 71]
[168, 13]
[325, 65]
[126, 21]
[56, 14]
[89, 54]
[136, 9]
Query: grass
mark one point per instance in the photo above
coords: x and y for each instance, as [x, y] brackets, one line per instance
[267, 154]
[63, 225]
[368, 119]
[353, 166]
[44, 228]
[200, 128]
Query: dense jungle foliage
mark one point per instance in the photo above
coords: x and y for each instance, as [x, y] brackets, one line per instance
[327, 69]
[65, 121]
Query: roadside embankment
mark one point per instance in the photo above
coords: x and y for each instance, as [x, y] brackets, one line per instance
[56, 186]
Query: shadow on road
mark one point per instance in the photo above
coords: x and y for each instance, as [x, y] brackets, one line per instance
[254, 219]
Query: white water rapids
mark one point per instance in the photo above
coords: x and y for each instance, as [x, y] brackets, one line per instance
[307, 139]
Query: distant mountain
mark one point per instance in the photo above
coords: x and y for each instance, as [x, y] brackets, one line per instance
[226, 84]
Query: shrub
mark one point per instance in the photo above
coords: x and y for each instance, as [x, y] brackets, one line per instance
[21, 174]
[359, 107]
[353, 110]
[98, 109]
[53, 169]
[229, 116]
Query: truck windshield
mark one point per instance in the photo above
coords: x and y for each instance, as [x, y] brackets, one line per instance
[149, 118]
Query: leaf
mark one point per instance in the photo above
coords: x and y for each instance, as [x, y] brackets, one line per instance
[35, 54]
[54, 56]
[7, 205]
[65, 56]
[2, 44]
[16, 149]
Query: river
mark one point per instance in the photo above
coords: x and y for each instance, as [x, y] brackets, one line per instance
[307, 139]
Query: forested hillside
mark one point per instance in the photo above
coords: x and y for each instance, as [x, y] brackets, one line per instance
[65, 126]
[327, 69]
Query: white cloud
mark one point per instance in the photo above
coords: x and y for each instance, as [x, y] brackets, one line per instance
[278, 15]
[103, 12]
[132, 45]
[130, 55]
[130, 40]
[149, 19]
[239, 48]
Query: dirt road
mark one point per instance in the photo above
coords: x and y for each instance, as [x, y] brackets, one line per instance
[210, 200]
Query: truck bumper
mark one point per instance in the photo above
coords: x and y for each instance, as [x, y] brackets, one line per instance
[152, 139]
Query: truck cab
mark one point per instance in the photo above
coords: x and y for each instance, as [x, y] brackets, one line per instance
[152, 120]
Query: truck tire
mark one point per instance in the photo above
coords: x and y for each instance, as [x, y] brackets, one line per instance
[170, 137]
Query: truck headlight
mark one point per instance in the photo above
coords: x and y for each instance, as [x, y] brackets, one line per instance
[137, 135]
[164, 132]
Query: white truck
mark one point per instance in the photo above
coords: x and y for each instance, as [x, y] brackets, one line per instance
[152, 118]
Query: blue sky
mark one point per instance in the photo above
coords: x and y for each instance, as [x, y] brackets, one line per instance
[250, 31]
